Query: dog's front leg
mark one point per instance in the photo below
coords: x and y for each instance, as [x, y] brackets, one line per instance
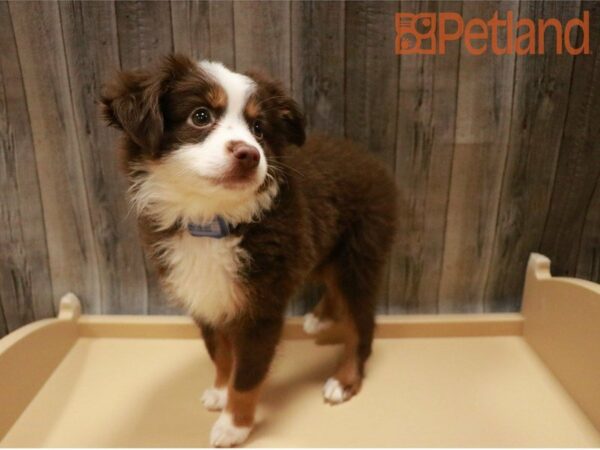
[218, 345]
[253, 347]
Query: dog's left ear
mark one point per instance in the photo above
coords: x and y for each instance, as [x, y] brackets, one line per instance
[282, 111]
[292, 121]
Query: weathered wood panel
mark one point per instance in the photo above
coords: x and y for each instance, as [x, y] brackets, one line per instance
[317, 60]
[372, 83]
[145, 34]
[262, 38]
[204, 30]
[371, 74]
[69, 232]
[191, 28]
[3, 326]
[120, 258]
[483, 111]
[579, 161]
[222, 43]
[588, 265]
[316, 33]
[427, 88]
[540, 98]
[25, 284]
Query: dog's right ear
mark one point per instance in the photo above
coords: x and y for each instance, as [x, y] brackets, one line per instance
[131, 102]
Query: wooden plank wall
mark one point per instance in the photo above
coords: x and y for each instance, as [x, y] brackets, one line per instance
[494, 156]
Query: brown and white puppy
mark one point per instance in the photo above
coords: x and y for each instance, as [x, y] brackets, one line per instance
[237, 211]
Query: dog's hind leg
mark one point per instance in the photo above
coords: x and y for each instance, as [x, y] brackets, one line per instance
[324, 315]
[346, 380]
[354, 276]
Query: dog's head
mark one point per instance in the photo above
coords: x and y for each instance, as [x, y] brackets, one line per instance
[206, 125]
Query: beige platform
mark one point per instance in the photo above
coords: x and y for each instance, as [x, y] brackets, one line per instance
[478, 380]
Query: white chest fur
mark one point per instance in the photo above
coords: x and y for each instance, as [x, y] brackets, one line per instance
[203, 275]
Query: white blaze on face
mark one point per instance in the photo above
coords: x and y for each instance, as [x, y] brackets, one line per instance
[211, 158]
[183, 186]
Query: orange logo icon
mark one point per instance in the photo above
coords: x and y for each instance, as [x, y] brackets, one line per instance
[416, 33]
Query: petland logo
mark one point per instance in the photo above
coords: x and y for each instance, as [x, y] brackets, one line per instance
[428, 34]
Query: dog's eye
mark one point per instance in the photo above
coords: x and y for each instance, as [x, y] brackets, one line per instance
[201, 117]
[257, 129]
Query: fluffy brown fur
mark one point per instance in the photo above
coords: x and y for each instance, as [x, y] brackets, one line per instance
[333, 219]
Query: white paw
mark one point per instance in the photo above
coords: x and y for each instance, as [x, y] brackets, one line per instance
[225, 434]
[334, 392]
[214, 399]
[313, 325]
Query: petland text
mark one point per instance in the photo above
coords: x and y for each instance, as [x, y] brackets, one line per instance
[428, 34]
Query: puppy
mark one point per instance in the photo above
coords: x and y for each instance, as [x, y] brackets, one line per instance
[237, 209]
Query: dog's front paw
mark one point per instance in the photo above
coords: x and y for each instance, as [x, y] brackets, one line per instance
[334, 392]
[214, 399]
[224, 433]
[314, 325]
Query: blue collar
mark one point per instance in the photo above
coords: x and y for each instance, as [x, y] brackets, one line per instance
[217, 229]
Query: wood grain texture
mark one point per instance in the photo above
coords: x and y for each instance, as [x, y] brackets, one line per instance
[119, 254]
[3, 325]
[25, 283]
[317, 84]
[579, 160]
[204, 30]
[72, 249]
[588, 261]
[372, 84]
[145, 34]
[483, 115]
[191, 28]
[540, 98]
[425, 143]
[371, 74]
[317, 60]
[262, 38]
[222, 42]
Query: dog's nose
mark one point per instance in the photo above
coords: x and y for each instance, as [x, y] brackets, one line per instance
[246, 155]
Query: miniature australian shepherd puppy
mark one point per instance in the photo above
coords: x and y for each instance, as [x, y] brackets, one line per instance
[237, 209]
